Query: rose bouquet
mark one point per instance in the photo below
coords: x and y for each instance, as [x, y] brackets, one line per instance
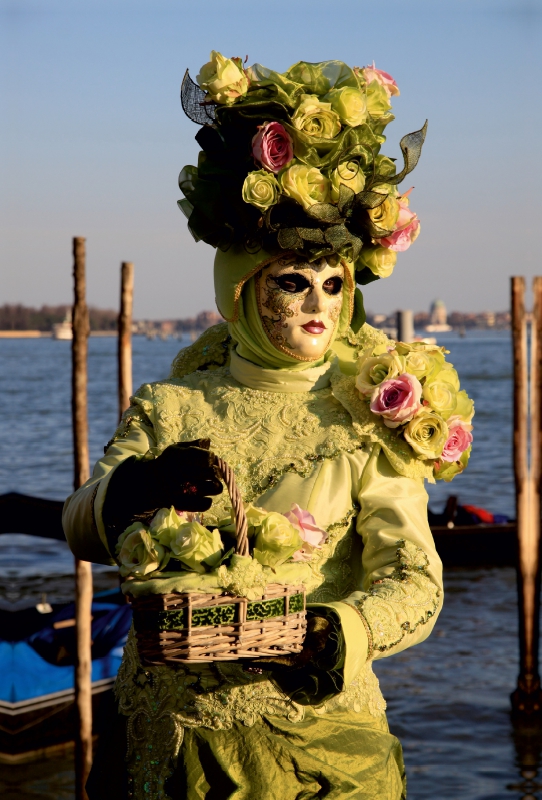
[292, 160]
[416, 392]
[178, 540]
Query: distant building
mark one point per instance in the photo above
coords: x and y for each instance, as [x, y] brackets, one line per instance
[438, 318]
[437, 313]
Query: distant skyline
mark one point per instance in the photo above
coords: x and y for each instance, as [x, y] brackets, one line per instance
[93, 138]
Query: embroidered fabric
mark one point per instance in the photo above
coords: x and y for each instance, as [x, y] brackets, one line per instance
[260, 440]
[397, 605]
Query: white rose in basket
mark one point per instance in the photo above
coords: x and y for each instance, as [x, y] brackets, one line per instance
[139, 554]
[189, 541]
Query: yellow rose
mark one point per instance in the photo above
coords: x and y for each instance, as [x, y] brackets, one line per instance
[139, 554]
[379, 260]
[441, 391]
[223, 78]
[378, 102]
[373, 369]
[350, 104]
[427, 434]
[305, 184]
[464, 407]
[384, 217]
[276, 541]
[255, 516]
[192, 544]
[261, 189]
[316, 118]
[349, 173]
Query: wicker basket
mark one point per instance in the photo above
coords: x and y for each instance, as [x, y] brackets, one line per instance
[177, 628]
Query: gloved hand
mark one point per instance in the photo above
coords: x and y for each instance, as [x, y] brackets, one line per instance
[184, 475]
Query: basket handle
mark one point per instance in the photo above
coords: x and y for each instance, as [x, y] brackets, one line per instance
[241, 527]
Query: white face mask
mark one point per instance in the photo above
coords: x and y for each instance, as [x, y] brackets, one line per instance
[300, 304]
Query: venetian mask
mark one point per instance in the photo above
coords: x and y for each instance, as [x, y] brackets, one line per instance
[300, 304]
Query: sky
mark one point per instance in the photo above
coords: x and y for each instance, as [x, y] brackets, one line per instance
[93, 138]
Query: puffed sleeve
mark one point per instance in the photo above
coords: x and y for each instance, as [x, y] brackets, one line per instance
[82, 515]
[400, 593]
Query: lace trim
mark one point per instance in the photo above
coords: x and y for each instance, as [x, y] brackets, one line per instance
[397, 605]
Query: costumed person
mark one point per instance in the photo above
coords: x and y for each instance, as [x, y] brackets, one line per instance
[330, 430]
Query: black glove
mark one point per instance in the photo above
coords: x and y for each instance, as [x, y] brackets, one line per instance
[184, 475]
[314, 648]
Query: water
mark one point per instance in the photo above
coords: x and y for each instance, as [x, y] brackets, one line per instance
[449, 697]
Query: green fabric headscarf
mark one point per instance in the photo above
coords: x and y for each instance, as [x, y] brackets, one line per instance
[236, 300]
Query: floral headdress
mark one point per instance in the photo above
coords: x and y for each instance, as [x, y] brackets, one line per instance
[291, 162]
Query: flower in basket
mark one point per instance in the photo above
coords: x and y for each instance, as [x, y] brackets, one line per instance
[276, 540]
[313, 536]
[188, 541]
[138, 553]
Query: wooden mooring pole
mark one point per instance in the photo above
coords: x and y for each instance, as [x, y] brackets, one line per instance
[527, 428]
[83, 573]
[125, 335]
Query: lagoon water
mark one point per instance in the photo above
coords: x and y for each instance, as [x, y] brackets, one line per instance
[449, 697]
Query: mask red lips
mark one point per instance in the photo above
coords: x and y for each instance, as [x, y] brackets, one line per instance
[314, 326]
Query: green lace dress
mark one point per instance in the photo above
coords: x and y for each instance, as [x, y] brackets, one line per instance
[220, 731]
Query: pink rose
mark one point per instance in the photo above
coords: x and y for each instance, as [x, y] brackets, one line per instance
[459, 439]
[397, 400]
[371, 73]
[312, 535]
[406, 231]
[272, 146]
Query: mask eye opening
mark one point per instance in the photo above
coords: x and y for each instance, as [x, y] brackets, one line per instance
[291, 282]
[333, 285]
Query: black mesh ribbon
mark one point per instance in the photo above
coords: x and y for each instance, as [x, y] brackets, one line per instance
[194, 104]
[411, 148]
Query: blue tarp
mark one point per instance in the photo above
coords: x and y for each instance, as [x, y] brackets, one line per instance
[24, 675]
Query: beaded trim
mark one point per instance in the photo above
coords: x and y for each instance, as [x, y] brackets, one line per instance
[370, 649]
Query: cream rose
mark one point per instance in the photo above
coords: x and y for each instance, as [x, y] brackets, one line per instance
[379, 260]
[350, 104]
[276, 540]
[223, 78]
[305, 184]
[261, 189]
[427, 434]
[374, 369]
[349, 173]
[192, 544]
[139, 554]
[316, 118]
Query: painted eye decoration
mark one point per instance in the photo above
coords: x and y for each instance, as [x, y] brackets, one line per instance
[333, 285]
[292, 282]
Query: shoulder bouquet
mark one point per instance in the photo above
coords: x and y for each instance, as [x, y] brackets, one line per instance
[292, 160]
[416, 393]
[176, 541]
